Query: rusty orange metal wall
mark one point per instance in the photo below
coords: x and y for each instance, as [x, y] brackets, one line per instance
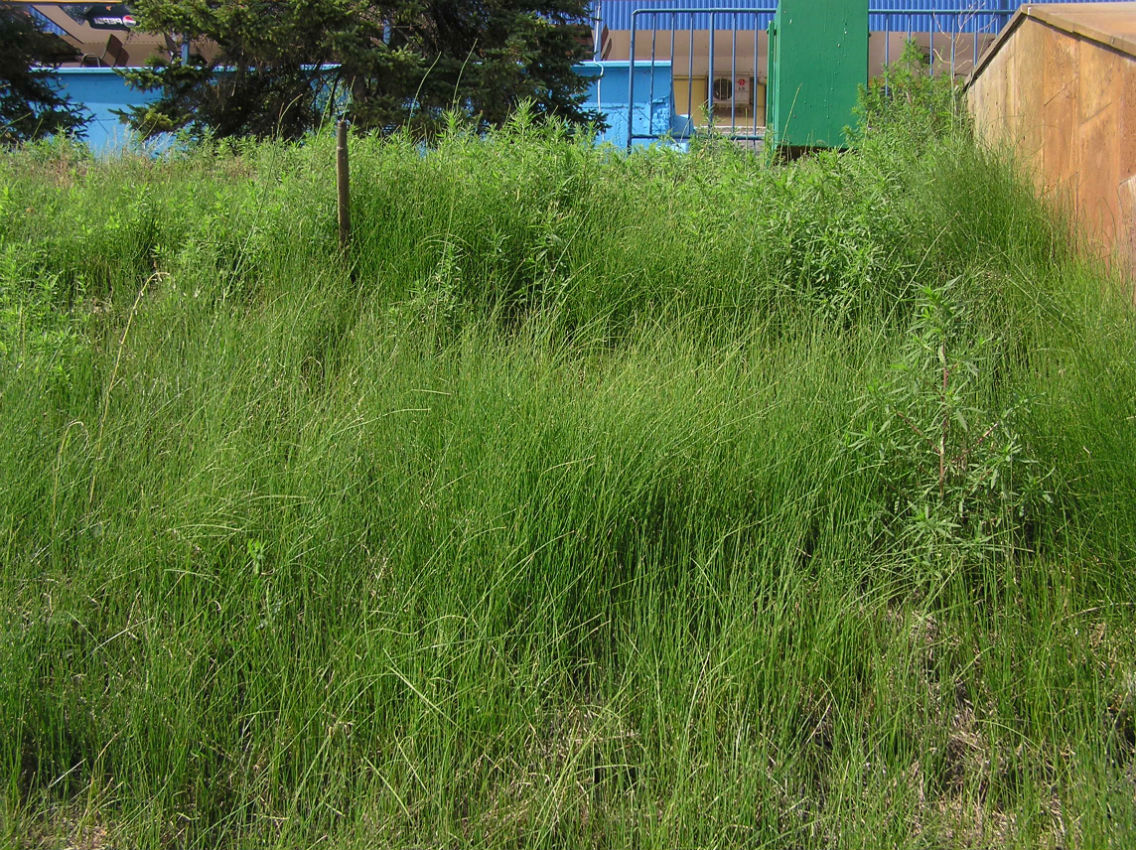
[1066, 102]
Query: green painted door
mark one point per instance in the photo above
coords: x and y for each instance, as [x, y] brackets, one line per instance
[818, 59]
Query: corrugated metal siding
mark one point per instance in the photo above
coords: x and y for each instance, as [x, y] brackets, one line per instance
[664, 18]
[895, 15]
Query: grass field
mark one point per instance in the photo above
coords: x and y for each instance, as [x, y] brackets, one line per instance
[593, 501]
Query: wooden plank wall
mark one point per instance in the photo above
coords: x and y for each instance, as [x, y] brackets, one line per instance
[1067, 105]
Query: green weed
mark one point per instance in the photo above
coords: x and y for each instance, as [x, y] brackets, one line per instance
[596, 500]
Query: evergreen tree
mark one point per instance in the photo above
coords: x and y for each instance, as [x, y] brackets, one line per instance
[30, 106]
[286, 65]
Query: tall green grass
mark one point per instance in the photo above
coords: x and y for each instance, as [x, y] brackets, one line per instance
[591, 501]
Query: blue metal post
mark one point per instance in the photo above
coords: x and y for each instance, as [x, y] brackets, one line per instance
[631, 81]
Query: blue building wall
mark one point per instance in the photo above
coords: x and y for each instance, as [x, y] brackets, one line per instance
[101, 90]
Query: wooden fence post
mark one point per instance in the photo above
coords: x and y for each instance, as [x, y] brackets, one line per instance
[342, 178]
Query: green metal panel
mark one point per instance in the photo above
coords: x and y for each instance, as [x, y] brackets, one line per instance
[818, 58]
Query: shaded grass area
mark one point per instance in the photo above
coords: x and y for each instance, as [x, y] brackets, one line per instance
[596, 501]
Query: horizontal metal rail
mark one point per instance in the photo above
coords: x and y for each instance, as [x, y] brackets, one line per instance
[754, 14]
[949, 25]
[973, 22]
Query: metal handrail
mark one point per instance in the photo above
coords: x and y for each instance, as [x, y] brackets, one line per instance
[735, 11]
[992, 21]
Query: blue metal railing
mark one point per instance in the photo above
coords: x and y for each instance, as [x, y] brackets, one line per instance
[949, 25]
[616, 14]
[952, 34]
[758, 20]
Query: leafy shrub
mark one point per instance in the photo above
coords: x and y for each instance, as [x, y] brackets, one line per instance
[909, 99]
[956, 477]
